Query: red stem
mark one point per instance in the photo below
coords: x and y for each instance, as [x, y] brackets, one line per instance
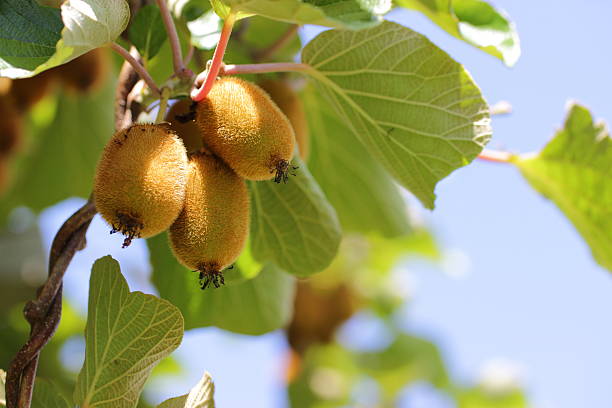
[211, 75]
[495, 156]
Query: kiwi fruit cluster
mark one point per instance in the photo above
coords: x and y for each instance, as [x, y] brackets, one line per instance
[17, 96]
[187, 175]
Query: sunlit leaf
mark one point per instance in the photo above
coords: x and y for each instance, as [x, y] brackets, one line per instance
[200, 396]
[293, 224]
[357, 186]
[474, 21]
[574, 170]
[254, 305]
[127, 334]
[39, 40]
[415, 109]
[352, 14]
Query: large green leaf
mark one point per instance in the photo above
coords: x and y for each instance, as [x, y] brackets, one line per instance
[350, 14]
[127, 333]
[28, 34]
[45, 395]
[415, 109]
[249, 306]
[200, 396]
[147, 31]
[574, 170]
[474, 21]
[359, 188]
[293, 224]
[63, 154]
[33, 41]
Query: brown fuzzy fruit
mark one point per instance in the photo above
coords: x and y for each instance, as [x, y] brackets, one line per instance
[5, 85]
[28, 91]
[10, 126]
[245, 128]
[85, 73]
[212, 229]
[179, 117]
[291, 105]
[140, 180]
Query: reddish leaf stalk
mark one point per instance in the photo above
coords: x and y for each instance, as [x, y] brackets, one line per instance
[495, 156]
[197, 94]
[137, 66]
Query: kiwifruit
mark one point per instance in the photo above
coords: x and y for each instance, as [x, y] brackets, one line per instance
[27, 92]
[213, 226]
[5, 85]
[10, 126]
[140, 180]
[288, 101]
[181, 121]
[85, 73]
[245, 128]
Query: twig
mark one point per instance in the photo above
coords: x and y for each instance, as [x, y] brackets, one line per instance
[163, 105]
[177, 57]
[211, 74]
[127, 79]
[266, 53]
[495, 156]
[263, 68]
[44, 312]
[137, 66]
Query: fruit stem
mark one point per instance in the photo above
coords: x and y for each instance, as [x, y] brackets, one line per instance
[266, 53]
[263, 68]
[163, 105]
[197, 94]
[496, 156]
[180, 69]
[144, 74]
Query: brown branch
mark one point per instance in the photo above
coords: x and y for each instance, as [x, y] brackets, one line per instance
[127, 79]
[45, 311]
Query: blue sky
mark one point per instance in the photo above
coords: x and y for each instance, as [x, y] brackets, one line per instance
[531, 292]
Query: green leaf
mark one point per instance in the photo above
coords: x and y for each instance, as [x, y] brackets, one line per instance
[188, 9]
[293, 224]
[415, 109]
[75, 139]
[359, 188]
[87, 24]
[406, 360]
[574, 170]
[147, 31]
[28, 34]
[200, 396]
[475, 22]
[127, 334]
[45, 395]
[205, 30]
[248, 306]
[350, 14]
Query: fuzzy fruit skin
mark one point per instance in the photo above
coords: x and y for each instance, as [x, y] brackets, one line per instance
[213, 227]
[142, 175]
[187, 130]
[288, 101]
[245, 128]
[85, 73]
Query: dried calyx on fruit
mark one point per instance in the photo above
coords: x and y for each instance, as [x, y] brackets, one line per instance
[245, 128]
[181, 119]
[140, 180]
[288, 101]
[213, 226]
